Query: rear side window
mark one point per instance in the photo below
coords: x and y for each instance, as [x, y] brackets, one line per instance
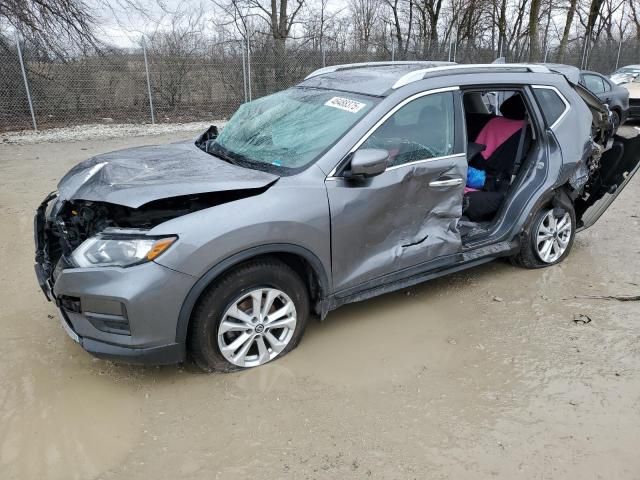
[594, 83]
[551, 104]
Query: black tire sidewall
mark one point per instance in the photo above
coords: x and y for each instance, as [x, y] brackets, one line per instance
[203, 341]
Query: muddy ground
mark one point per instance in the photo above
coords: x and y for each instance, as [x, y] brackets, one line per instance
[482, 374]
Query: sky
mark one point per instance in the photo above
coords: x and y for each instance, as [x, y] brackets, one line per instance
[123, 27]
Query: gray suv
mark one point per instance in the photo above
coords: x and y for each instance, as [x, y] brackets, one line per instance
[360, 180]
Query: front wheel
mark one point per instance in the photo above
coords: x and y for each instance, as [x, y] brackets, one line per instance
[252, 315]
[549, 239]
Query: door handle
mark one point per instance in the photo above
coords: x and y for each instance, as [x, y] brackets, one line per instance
[450, 182]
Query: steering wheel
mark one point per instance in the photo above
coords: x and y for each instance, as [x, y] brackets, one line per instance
[410, 151]
[400, 147]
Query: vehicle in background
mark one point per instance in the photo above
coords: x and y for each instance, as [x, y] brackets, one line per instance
[604, 92]
[615, 96]
[629, 78]
[625, 74]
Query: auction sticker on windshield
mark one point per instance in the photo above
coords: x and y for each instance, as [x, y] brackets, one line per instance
[345, 104]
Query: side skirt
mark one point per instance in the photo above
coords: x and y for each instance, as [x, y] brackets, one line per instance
[430, 271]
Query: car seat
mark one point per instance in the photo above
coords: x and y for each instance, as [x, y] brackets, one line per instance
[501, 137]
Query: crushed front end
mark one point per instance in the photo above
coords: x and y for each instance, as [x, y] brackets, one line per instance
[127, 314]
[48, 252]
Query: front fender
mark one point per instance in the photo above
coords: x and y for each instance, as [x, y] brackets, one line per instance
[217, 270]
[286, 215]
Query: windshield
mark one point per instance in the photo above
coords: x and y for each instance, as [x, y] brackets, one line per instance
[289, 129]
[624, 70]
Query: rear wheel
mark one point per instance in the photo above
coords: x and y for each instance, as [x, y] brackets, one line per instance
[252, 315]
[615, 120]
[549, 239]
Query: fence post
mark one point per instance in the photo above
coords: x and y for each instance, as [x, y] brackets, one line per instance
[244, 70]
[26, 84]
[393, 49]
[621, 36]
[146, 69]
[618, 57]
[249, 68]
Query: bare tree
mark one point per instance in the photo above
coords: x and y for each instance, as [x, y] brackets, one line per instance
[401, 23]
[364, 14]
[534, 17]
[54, 23]
[564, 41]
[274, 18]
[173, 53]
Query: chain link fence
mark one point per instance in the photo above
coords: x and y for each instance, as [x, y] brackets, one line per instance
[150, 84]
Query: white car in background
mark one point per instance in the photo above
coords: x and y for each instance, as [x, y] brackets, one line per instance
[629, 78]
[625, 74]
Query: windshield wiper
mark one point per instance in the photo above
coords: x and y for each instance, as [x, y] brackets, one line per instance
[222, 153]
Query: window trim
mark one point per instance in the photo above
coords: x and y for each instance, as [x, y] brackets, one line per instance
[567, 105]
[384, 118]
[424, 160]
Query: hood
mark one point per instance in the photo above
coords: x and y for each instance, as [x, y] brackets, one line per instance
[623, 77]
[633, 88]
[136, 176]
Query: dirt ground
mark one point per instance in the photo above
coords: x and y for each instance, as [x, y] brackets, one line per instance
[482, 374]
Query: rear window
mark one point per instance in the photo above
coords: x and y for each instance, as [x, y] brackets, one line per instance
[550, 103]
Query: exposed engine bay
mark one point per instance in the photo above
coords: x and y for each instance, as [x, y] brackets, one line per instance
[61, 225]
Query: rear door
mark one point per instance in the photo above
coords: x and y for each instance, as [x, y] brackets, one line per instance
[391, 225]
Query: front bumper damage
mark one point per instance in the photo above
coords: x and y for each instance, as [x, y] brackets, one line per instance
[125, 314]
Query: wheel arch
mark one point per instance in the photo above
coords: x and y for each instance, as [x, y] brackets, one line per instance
[559, 196]
[300, 259]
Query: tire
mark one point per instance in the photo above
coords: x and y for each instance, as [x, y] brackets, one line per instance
[532, 250]
[615, 120]
[231, 300]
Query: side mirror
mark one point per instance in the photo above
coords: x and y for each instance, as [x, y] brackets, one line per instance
[368, 162]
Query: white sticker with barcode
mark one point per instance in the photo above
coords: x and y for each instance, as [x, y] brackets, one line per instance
[345, 104]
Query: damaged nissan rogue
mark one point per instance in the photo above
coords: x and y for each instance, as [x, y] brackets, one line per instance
[360, 180]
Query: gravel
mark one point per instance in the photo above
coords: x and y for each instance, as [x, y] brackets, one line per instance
[100, 131]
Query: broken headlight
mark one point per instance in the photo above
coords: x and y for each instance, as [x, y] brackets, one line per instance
[119, 250]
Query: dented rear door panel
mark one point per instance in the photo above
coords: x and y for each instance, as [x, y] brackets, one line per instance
[395, 220]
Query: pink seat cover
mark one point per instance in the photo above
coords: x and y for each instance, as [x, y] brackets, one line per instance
[496, 132]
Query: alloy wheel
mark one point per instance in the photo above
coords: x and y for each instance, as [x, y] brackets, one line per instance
[256, 327]
[553, 236]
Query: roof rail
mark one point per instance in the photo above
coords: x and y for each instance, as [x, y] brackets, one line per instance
[505, 67]
[349, 66]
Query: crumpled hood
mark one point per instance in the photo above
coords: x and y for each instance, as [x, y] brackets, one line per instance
[136, 176]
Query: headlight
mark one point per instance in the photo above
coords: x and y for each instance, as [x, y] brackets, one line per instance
[119, 251]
